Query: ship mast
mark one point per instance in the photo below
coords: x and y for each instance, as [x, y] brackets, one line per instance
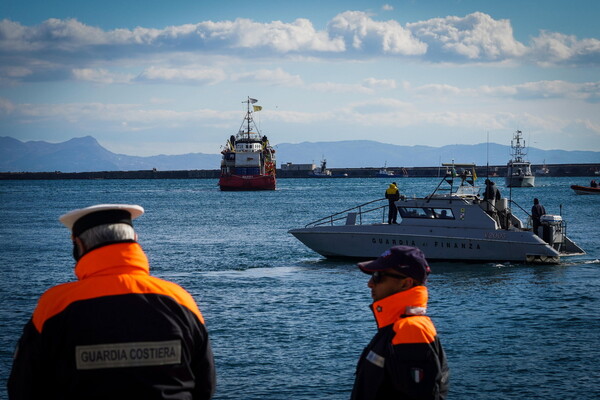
[248, 120]
[248, 116]
[516, 147]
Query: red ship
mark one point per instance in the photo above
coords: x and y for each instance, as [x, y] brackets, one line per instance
[248, 161]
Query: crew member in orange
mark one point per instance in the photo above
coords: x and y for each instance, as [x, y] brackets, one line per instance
[116, 332]
[405, 359]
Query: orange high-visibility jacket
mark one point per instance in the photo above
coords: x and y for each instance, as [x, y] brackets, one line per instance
[116, 333]
[405, 359]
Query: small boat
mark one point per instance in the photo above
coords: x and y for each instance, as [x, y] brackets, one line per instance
[321, 172]
[248, 161]
[518, 171]
[453, 224]
[384, 173]
[585, 189]
[543, 170]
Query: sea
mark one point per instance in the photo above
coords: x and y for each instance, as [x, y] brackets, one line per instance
[286, 323]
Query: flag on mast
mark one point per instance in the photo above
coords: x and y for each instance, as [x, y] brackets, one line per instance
[252, 100]
[257, 108]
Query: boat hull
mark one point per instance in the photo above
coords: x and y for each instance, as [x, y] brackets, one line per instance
[520, 181]
[247, 182]
[585, 189]
[365, 242]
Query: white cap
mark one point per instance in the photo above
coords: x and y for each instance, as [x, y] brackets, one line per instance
[69, 219]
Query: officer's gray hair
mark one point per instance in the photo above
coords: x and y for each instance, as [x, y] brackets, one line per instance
[101, 234]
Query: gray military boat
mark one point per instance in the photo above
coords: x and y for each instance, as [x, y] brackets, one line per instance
[450, 224]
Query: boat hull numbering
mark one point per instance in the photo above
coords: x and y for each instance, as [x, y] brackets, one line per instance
[452, 226]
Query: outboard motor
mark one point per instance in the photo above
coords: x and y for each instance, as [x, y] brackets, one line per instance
[552, 228]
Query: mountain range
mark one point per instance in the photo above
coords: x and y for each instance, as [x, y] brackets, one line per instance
[85, 154]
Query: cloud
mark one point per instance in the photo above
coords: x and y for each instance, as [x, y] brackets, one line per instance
[334, 87]
[100, 76]
[194, 76]
[475, 37]
[387, 7]
[556, 48]
[381, 117]
[276, 77]
[364, 35]
[367, 86]
[121, 117]
[586, 91]
[435, 90]
[6, 106]
[383, 84]
[65, 49]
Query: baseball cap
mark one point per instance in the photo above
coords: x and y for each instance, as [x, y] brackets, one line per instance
[407, 260]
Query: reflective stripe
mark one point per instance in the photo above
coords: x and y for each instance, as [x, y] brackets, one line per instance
[120, 355]
[376, 359]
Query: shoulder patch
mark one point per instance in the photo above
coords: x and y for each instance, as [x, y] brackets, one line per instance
[376, 359]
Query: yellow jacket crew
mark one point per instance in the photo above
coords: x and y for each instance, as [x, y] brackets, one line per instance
[392, 194]
[117, 332]
[405, 359]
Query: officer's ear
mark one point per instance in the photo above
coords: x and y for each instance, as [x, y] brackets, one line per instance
[78, 248]
[405, 284]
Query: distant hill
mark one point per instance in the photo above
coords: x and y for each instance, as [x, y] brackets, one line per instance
[87, 155]
[367, 153]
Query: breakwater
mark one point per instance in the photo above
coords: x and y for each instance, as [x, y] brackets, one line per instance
[399, 172]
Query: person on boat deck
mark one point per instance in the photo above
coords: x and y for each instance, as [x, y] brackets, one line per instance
[392, 194]
[491, 194]
[405, 359]
[593, 183]
[491, 191]
[116, 332]
[536, 212]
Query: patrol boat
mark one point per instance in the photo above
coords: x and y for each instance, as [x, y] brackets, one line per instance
[248, 161]
[450, 224]
[518, 170]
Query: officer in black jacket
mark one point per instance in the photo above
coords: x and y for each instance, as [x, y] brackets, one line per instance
[405, 359]
[536, 212]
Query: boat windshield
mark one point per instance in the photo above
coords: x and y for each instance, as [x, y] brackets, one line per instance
[465, 190]
[426, 212]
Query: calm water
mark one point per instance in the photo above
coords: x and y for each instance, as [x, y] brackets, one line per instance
[287, 324]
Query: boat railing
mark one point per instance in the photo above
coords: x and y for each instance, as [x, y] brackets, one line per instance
[357, 212]
[512, 202]
[562, 227]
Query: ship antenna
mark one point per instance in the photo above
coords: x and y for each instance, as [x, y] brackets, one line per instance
[487, 162]
[248, 117]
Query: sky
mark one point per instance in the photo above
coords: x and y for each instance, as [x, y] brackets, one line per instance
[149, 77]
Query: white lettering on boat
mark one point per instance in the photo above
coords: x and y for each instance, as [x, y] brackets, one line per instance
[463, 245]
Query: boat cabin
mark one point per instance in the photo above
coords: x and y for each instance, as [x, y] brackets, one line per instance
[248, 147]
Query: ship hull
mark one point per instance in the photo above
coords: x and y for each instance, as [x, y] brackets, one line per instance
[370, 241]
[247, 182]
[520, 181]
